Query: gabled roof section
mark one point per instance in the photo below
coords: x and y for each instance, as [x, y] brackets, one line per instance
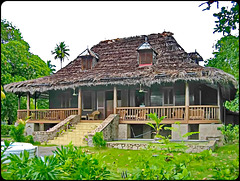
[88, 52]
[145, 46]
[195, 56]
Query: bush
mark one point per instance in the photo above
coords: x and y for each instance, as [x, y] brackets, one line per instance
[98, 140]
[29, 139]
[5, 129]
[69, 163]
[17, 132]
[230, 133]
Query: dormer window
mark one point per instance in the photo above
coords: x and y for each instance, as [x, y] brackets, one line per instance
[88, 59]
[146, 54]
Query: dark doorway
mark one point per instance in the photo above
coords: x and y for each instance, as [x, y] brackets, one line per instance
[139, 98]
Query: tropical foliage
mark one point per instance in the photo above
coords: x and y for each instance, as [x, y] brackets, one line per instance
[68, 163]
[158, 126]
[98, 140]
[230, 133]
[226, 56]
[17, 64]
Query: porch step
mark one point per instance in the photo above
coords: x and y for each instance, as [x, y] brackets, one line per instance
[76, 135]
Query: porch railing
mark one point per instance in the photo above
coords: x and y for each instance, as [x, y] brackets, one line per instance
[140, 113]
[204, 112]
[48, 114]
[172, 112]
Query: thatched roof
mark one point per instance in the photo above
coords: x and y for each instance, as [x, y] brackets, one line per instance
[118, 65]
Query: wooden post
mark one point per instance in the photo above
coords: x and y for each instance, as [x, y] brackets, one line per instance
[28, 104]
[19, 101]
[80, 102]
[219, 101]
[186, 102]
[115, 100]
[19, 105]
[35, 100]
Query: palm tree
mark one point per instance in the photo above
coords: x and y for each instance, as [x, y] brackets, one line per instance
[60, 52]
[51, 67]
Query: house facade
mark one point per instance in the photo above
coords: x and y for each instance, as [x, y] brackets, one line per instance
[133, 77]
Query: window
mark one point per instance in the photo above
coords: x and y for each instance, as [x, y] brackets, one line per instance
[145, 58]
[87, 101]
[65, 100]
[168, 96]
[86, 63]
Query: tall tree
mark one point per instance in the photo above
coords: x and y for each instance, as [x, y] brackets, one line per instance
[17, 64]
[226, 56]
[61, 52]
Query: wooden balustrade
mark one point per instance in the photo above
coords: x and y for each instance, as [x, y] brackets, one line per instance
[172, 112]
[48, 114]
[140, 113]
[204, 113]
[133, 113]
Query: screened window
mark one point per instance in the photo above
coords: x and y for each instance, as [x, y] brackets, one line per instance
[87, 100]
[168, 96]
[156, 98]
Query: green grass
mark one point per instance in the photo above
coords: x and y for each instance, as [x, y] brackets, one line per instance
[200, 165]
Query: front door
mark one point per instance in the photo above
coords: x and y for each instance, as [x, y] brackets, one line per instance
[109, 103]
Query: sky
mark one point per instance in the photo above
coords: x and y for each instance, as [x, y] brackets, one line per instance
[82, 24]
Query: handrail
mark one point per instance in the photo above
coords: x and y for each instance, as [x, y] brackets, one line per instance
[49, 114]
[195, 112]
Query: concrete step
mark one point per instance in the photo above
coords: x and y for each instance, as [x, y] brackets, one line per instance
[76, 135]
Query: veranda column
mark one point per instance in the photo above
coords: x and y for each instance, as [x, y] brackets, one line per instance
[19, 106]
[28, 104]
[80, 102]
[35, 100]
[219, 101]
[186, 102]
[115, 100]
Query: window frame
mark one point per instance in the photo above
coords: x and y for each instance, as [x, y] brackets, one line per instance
[83, 99]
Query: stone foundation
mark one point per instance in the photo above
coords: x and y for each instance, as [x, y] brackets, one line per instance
[138, 146]
[109, 127]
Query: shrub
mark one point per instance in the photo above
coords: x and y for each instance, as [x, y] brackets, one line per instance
[98, 140]
[17, 132]
[5, 129]
[29, 139]
[230, 133]
[69, 163]
[79, 165]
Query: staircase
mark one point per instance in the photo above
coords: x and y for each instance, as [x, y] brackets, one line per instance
[75, 135]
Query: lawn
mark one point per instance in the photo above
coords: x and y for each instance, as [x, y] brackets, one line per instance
[204, 165]
[222, 163]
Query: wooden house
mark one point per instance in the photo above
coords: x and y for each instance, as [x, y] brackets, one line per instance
[132, 77]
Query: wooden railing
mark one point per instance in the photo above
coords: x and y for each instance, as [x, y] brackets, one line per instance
[204, 112]
[140, 113]
[48, 114]
[172, 112]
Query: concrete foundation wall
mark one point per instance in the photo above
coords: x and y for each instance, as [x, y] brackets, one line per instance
[123, 131]
[183, 129]
[209, 130]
